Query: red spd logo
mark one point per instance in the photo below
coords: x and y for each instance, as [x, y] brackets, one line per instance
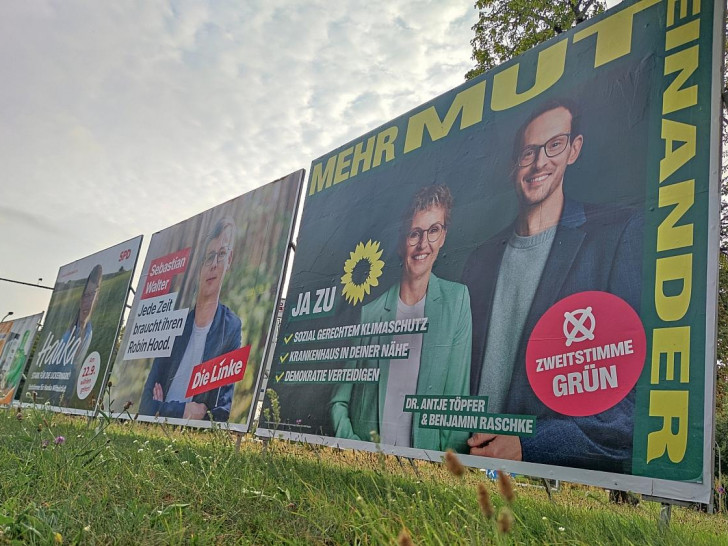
[586, 353]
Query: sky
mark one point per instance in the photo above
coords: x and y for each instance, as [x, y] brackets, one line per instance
[123, 118]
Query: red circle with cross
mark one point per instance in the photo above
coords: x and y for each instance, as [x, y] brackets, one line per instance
[586, 353]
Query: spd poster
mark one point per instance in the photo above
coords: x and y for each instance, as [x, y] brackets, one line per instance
[81, 328]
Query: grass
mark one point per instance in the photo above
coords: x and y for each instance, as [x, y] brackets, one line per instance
[128, 482]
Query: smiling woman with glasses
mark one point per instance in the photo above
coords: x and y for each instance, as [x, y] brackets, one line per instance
[438, 360]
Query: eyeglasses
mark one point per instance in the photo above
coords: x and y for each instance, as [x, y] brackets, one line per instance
[553, 147]
[434, 232]
[220, 256]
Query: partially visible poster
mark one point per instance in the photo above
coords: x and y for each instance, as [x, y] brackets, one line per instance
[16, 340]
[81, 329]
[196, 336]
[523, 269]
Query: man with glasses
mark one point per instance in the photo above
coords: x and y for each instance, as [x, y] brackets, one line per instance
[211, 330]
[555, 247]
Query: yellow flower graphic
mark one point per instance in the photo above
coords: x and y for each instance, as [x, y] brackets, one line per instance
[362, 271]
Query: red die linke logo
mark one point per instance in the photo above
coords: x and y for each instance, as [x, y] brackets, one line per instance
[219, 371]
[586, 353]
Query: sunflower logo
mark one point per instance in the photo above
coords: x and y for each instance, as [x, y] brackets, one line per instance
[361, 271]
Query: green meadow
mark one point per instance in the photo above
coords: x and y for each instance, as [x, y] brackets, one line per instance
[67, 480]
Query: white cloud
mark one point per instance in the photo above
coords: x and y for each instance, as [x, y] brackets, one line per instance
[122, 118]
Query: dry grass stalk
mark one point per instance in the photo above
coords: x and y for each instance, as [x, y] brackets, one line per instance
[484, 501]
[505, 520]
[453, 463]
[404, 538]
[505, 485]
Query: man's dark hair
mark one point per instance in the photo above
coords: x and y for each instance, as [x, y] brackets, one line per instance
[547, 106]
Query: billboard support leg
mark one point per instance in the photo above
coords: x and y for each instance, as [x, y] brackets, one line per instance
[237, 443]
[665, 515]
[547, 486]
[414, 467]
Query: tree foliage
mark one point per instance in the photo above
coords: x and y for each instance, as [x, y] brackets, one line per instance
[507, 28]
[722, 384]
[724, 158]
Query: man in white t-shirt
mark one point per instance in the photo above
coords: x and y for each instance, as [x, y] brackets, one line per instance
[211, 330]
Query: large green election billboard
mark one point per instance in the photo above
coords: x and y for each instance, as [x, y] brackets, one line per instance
[524, 269]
